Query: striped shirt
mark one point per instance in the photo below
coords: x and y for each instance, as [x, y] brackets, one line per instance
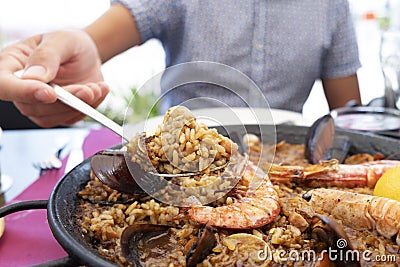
[281, 45]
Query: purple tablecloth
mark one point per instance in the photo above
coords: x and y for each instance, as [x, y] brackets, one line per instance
[27, 239]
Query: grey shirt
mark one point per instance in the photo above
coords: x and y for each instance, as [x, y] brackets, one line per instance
[282, 45]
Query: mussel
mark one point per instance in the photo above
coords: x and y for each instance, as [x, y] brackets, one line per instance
[112, 168]
[149, 243]
[202, 247]
[142, 241]
[322, 143]
[332, 233]
[319, 139]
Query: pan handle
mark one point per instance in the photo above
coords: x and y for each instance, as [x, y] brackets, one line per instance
[23, 205]
[62, 262]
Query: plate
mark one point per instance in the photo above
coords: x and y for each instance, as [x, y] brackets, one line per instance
[229, 116]
[372, 119]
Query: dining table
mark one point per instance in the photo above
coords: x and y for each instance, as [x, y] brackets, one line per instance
[27, 239]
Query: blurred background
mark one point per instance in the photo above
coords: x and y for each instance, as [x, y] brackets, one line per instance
[374, 19]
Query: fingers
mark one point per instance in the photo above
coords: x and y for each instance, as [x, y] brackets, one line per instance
[27, 91]
[102, 90]
[56, 114]
[12, 59]
[62, 53]
[62, 57]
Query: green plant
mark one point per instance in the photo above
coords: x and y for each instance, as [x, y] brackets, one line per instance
[130, 109]
[141, 106]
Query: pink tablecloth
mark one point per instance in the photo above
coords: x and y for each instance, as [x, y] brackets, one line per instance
[27, 239]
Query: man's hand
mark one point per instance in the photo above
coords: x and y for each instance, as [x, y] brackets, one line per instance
[68, 58]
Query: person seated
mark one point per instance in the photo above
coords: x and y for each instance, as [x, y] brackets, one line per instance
[283, 47]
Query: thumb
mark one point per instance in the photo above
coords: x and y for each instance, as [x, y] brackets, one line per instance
[44, 60]
[37, 72]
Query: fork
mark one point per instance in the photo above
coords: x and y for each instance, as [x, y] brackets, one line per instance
[53, 162]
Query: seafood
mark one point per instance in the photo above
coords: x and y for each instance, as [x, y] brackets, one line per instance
[319, 139]
[142, 242]
[331, 173]
[254, 207]
[111, 168]
[365, 169]
[248, 246]
[201, 246]
[359, 211]
[141, 237]
[332, 233]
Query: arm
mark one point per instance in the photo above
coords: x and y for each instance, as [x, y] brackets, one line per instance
[69, 58]
[114, 32]
[339, 91]
[341, 61]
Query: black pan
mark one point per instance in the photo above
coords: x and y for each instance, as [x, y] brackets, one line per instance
[61, 207]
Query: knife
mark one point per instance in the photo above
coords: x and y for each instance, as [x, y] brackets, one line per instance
[76, 155]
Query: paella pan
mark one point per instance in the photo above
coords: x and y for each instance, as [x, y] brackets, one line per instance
[89, 218]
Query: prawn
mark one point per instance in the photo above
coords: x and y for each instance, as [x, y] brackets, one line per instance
[326, 173]
[331, 173]
[359, 211]
[253, 208]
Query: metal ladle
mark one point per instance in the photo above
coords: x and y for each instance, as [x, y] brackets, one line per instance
[79, 105]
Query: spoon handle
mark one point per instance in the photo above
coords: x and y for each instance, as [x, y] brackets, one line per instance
[74, 102]
[77, 104]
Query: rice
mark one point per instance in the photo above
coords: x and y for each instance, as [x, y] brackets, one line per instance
[180, 145]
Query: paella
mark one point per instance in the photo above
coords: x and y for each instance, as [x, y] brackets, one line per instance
[264, 206]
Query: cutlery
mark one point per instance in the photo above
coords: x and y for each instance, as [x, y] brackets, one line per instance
[53, 162]
[79, 105]
[76, 155]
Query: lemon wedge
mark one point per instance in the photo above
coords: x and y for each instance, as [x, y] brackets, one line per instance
[389, 184]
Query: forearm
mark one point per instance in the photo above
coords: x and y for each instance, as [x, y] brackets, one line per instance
[340, 91]
[114, 32]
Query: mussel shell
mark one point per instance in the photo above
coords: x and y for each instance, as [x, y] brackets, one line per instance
[338, 241]
[319, 139]
[150, 239]
[135, 238]
[206, 241]
[111, 168]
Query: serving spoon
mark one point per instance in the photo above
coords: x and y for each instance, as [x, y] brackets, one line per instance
[79, 105]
